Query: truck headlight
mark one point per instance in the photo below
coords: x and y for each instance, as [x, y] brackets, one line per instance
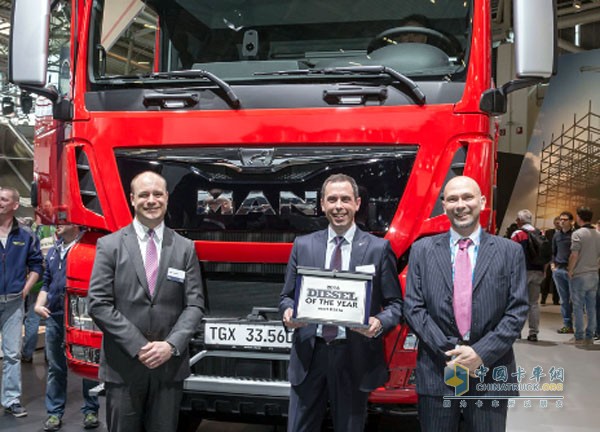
[78, 314]
[85, 354]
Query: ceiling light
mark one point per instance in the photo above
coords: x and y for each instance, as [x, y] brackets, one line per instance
[577, 4]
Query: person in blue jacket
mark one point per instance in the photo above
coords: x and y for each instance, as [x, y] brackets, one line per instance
[20, 268]
[50, 305]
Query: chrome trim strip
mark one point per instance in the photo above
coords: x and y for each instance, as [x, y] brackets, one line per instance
[226, 385]
[238, 354]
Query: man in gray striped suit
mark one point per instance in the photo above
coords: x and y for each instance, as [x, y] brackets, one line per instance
[466, 300]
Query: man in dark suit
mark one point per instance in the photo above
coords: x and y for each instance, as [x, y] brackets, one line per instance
[146, 296]
[466, 300]
[341, 365]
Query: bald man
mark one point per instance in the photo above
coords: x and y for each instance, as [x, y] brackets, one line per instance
[466, 300]
[146, 297]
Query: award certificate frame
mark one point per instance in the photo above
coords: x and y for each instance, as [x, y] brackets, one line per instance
[333, 297]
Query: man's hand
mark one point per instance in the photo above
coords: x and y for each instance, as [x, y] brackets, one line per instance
[42, 311]
[465, 356]
[375, 328]
[32, 278]
[287, 319]
[154, 354]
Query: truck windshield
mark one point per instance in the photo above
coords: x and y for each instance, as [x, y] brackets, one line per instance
[254, 40]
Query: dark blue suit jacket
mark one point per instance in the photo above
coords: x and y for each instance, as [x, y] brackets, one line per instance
[369, 368]
[500, 307]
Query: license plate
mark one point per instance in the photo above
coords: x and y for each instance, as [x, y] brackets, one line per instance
[247, 335]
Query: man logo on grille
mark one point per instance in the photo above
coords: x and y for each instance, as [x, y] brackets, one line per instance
[260, 157]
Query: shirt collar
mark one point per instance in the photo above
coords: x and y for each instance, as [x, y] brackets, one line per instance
[348, 235]
[475, 237]
[61, 243]
[142, 230]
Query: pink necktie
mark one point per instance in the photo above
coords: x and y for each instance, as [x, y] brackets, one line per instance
[463, 287]
[330, 332]
[151, 265]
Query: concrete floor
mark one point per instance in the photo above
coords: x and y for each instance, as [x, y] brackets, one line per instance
[579, 413]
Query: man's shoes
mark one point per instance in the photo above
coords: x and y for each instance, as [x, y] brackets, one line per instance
[565, 330]
[25, 359]
[587, 341]
[90, 421]
[532, 338]
[17, 410]
[596, 336]
[574, 341]
[52, 423]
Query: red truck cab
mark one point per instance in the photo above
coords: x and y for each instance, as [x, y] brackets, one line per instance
[245, 107]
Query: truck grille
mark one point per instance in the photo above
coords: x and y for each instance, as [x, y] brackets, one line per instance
[270, 194]
[242, 368]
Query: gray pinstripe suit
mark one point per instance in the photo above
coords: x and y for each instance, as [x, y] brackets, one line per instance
[499, 307]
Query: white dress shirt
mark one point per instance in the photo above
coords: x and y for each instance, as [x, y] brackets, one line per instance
[143, 238]
[346, 252]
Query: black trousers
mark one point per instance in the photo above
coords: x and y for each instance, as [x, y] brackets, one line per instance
[548, 287]
[146, 406]
[328, 380]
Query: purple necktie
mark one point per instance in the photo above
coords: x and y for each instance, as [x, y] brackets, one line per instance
[151, 264]
[330, 332]
[463, 287]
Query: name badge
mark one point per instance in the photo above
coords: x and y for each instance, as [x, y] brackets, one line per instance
[175, 275]
[368, 269]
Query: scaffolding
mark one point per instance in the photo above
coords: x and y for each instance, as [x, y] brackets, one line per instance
[570, 170]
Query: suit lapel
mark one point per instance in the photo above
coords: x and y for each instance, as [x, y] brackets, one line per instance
[441, 256]
[133, 248]
[360, 244]
[484, 257]
[319, 249]
[165, 253]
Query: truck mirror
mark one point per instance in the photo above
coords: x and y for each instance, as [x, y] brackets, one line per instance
[536, 50]
[28, 58]
[535, 31]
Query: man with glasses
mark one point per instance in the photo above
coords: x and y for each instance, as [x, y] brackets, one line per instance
[561, 249]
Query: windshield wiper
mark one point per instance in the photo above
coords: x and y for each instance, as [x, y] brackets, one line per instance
[231, 96]
[406, 84]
